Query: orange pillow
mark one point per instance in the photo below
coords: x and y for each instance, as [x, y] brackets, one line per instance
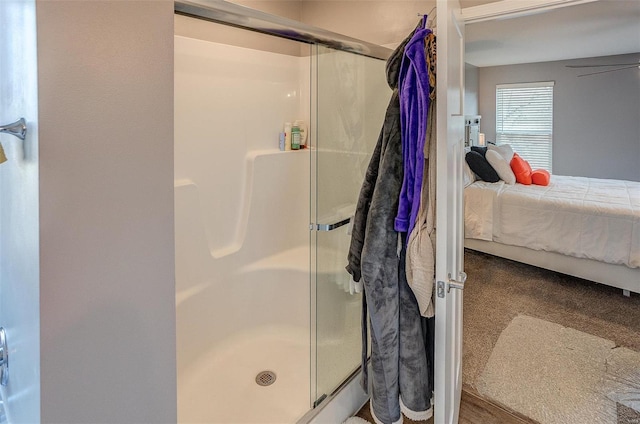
[540, 177]
[521, 169]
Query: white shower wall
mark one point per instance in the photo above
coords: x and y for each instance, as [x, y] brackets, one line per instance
[242, 234]
[230, 101]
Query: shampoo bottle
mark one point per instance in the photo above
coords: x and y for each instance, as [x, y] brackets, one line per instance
[303, 132]
[287, 136]
[295, 137]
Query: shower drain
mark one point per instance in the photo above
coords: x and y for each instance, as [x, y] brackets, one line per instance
[266, 378]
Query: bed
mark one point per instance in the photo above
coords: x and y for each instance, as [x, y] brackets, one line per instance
[586, 227]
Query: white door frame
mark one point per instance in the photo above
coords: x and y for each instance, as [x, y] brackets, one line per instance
[513, 9]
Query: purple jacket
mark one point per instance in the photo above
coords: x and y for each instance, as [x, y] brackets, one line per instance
[414, 105]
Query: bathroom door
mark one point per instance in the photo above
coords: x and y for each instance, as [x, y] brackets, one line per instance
[19, 220]
[351, 96]
[449, 219]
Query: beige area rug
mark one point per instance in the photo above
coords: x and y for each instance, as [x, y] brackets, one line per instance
[558, 375]
[498, 290]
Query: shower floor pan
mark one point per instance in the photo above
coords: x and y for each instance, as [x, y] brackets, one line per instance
[220, 387]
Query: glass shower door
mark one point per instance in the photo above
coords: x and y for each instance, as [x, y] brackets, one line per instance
[351, 99]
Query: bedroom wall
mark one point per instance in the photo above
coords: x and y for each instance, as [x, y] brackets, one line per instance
[471, 82]
[596, 118]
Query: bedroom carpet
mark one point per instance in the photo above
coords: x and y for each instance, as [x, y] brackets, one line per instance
[499, 290]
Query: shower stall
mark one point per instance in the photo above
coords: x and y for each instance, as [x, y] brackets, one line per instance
[268, 321]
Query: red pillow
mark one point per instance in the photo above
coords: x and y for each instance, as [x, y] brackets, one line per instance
[521, 169]
[540, 177]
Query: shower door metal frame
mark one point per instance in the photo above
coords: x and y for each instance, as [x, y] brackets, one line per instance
[223, 12]
[312, 139]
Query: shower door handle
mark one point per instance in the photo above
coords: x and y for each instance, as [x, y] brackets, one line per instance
[333, 226]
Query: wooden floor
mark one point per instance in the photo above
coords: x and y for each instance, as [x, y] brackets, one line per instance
[473, 410]
[476, 410]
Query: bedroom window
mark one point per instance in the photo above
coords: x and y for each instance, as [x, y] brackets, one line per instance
[524, 119]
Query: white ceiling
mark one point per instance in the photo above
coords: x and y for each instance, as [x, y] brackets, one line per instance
[601, 28]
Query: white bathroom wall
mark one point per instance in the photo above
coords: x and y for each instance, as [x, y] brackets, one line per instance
[107, 294]
[385, 22]
[19, 259]
[287, 8]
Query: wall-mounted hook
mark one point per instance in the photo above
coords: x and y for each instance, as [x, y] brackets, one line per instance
[18, 128]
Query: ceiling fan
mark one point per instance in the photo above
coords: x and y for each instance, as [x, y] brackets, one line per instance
[624, 66]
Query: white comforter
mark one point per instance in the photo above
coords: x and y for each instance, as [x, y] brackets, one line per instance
[582, 217]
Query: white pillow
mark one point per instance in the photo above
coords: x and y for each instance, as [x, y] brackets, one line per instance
[505, 151]
[502, 167]
[467, 174]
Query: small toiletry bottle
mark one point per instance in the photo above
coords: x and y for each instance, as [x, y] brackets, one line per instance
[281, 141]
[295, 137]
[287, 136]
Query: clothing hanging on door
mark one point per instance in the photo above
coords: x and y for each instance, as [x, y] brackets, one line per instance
[420, 265]
[401, 339]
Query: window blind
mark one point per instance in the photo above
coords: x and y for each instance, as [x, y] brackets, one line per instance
[524, 119]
